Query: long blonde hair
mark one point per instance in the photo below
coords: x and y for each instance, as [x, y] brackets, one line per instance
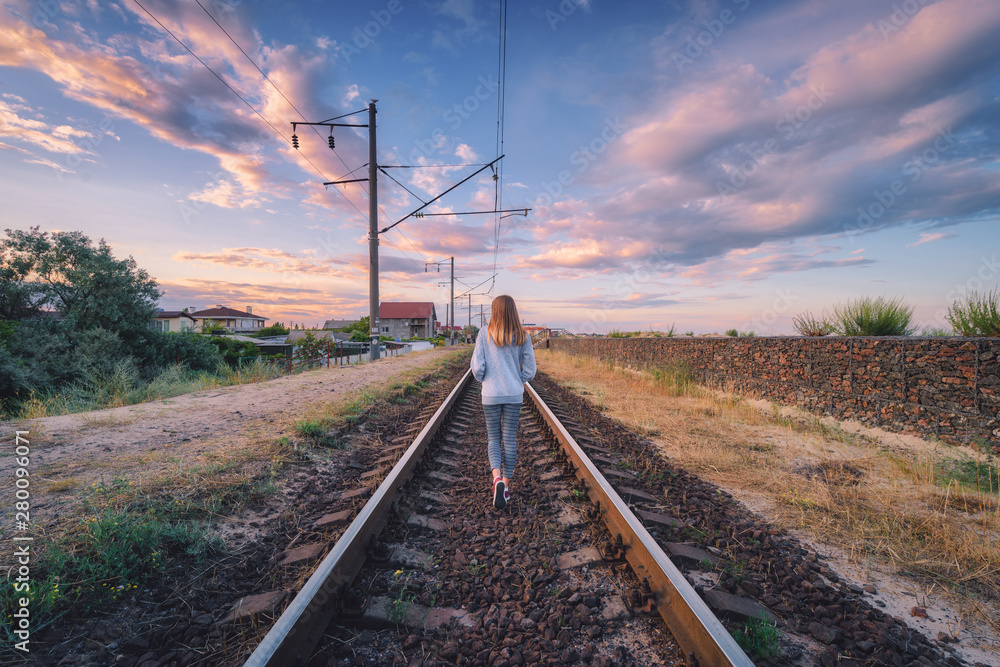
[505, 326]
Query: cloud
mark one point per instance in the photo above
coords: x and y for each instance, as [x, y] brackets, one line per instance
[147, 78]
[272, 260]
[38, 133]
[930, 237]
[741, 153]
[276, 302]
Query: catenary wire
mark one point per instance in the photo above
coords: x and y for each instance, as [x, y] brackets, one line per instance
[301, 115]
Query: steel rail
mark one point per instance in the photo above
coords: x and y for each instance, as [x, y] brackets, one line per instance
[298, 630]
[692, 623]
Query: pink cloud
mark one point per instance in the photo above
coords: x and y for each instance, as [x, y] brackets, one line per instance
[930, 237]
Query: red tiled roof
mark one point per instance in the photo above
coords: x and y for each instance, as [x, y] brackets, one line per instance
[227, 312]
[406, 310]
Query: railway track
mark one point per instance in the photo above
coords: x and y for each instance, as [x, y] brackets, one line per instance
[567, 573]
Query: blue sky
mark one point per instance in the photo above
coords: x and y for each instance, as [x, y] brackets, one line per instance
[708, 165]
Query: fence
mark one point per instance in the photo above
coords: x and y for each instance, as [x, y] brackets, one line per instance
[340, 354]
[948, 386]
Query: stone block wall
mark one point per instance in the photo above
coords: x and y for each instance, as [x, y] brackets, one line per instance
[946, 387]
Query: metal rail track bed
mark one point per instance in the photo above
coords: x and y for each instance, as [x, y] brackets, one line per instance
[567, 573]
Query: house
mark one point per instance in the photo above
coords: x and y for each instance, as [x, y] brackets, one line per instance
[172, 320]
[337, 324]
[407, 319]
[236, 321]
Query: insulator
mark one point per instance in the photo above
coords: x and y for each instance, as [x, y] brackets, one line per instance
[333, 144]
[295, 141]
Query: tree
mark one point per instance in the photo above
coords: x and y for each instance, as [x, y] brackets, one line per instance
[276, 329]
[470, 332]
[360, 330]
[83, 282]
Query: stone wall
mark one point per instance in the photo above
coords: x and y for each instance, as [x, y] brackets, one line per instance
[948, 387]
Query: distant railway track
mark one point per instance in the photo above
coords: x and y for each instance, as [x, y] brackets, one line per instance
[544, 581]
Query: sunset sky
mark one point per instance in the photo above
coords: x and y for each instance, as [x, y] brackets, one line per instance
[709, 165]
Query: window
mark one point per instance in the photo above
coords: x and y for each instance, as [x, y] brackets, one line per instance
[385, 329]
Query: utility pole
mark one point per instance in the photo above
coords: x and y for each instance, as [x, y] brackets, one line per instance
[482, 318]
[450, 306]
[373, 235]
[451, 331]
[373, 231]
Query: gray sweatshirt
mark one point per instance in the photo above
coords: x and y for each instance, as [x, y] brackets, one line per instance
[503, 370]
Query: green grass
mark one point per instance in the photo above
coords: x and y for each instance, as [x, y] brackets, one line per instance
[759, 638]
[872, 316]
[114, 552]
[678, 379]
[123, 385]
[318, 432]
[976, 315]
[974, 474]
[732, 332]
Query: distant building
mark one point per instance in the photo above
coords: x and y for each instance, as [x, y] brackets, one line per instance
[337, 324]
[536, 331]
[173, 320]
[407, 319]
[236, 321]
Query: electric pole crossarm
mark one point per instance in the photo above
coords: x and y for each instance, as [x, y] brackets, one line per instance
[475, 173]
[509, 210]
[299, 122]
[353, 180]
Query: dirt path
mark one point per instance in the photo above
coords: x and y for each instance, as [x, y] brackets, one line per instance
[218, 427]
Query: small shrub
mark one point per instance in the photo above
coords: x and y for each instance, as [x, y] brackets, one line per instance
[732, 332]
[748, 334]
[976, 315]
[868, 316]
[809, 325]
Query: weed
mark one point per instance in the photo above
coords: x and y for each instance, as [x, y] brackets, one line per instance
[476, 568]
[317, 432]
[759, 638]
[809, 325]
[872, 316]
[111, 554]
[732, 332]
[976, 315]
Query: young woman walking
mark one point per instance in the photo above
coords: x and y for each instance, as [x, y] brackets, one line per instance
[503, 361]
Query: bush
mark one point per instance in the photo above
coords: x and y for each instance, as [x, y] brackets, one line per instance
[732, 332]
[276, 329]
[232, 350]
[976, 315]
[159, 350]
[869, 316]
[808, 325]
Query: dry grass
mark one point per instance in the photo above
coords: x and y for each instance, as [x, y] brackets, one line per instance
[922, 507]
